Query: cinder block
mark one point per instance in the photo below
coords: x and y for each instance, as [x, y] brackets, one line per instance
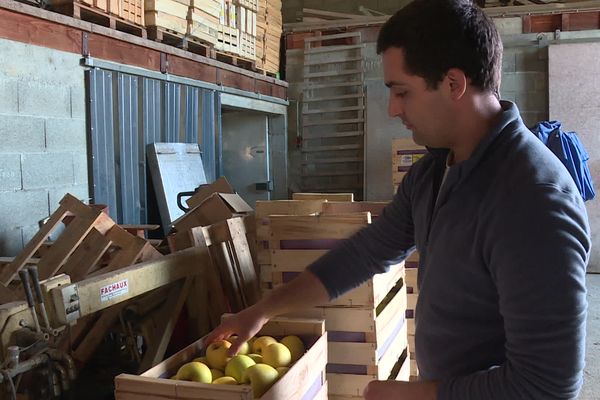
[59, 67]
[66, 134]
[11, 242]
[56, 194]
[510, 96]
[23, 207]
[21, 133]
[44, 170]
[10, 172]
[509, 62]
[509, 26]
[532, 101]
[9, 97]
[80, 167]
[77, 101]
[531, 59]
[40, 99]
[518, 81]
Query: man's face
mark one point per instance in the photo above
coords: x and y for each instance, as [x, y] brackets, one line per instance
[423, 111]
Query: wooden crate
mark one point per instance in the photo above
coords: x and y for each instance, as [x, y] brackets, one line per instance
[202, 26]
[228, 40]
[405, 152]
[324, 196]
[366, 336]
[168, 15]
[305, 379]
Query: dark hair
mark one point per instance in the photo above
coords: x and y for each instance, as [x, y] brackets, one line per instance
[437, 35]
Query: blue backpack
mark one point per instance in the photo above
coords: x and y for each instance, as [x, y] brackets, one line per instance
[569, 149]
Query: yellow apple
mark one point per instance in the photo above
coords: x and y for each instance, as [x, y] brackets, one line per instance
[282, 370]
[245, 349]
[216, 373]
[203, 360]
[174, 377]
[261, 377]
[277, 355]
[225, 380]
[237, 365]
[295, 346]
[216, 353]
[256, 357]
[260, 343]
[194, 371]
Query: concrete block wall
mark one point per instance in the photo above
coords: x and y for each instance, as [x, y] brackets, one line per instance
[43, 151]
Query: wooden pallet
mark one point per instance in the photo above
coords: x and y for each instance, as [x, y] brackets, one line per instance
[182, 41]
[98, 16]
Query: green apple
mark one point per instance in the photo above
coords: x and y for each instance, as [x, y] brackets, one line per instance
[225, 380]
[261, 343]
[216, 353]
[295, 346]
[238, 365]
[260, 377]
[256, 357]
[245, 349]
[216, 373]
[277, 355]
[194, 371]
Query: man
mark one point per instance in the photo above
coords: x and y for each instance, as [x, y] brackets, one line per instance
[500, 226]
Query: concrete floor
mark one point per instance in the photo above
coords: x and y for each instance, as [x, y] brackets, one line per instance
[591, 385]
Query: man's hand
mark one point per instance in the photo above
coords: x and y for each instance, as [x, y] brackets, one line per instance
[244, 324]
[394, 390]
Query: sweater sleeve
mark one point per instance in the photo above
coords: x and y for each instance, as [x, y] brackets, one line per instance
[537, 259]
[387, 241]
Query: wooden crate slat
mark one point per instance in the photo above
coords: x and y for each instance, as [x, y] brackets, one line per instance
[344, 35]
[317, 227]
[86, 256]
[333, 49]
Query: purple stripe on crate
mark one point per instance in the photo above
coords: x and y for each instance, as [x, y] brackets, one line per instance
[288, 276]
[314, 389]
[410, 290]
[403, 152]
[410, 314]
[388, 342]
[340, 336]
[411, 264]
[347, 369]
[309, 244]
[403, 169]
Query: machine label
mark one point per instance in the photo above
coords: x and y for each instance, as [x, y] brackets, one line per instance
[114, 290]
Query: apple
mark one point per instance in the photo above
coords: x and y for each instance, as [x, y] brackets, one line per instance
[194, 371]
[203, 360]
[225, 380]
[216, 373]
[245, 349]
[237, 365]
[256, 357]
[295, 346]
[277, 355]
[261, 343]
[282, 370]
[216, 353]
[261, 377]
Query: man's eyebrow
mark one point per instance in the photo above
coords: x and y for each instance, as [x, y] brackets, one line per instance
[389, 84]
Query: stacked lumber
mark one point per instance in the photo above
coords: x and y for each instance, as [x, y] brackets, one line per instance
[269, 28]
[167, 16]
[367, 332]
[405, 152]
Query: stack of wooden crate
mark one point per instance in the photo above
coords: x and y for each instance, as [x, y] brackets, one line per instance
[405, 152]
[203, 20]
[167, 16]
[366, 326]
[269, 29]
[228, 40]
[246, 22]
[412, 265]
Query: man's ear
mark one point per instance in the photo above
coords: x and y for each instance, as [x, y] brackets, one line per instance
[457, 83]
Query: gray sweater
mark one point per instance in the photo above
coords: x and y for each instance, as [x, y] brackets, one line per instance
[502, 303]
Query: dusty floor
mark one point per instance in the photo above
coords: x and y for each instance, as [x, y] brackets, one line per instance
[591, 386]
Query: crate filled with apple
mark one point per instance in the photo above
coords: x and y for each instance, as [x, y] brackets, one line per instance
[286, 360]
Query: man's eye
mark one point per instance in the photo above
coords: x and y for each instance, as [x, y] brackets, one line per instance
[400, 94]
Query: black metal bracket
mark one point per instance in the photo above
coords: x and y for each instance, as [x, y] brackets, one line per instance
[85, 46]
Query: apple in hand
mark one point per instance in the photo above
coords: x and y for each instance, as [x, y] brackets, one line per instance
[216, 354]
[238, 365]
[245, 349]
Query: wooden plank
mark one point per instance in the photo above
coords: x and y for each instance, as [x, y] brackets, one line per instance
[297, 206]
[90, 343]
[333, 110]
[332, 49]
[317, 227]
[343, 197]
[333, 36]
[324, 62]
[325, 74]
[344, 207]
[335, 97]
[86, 256]
[411, 279]
[249, 280]
[308, 87]
[166, 318]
